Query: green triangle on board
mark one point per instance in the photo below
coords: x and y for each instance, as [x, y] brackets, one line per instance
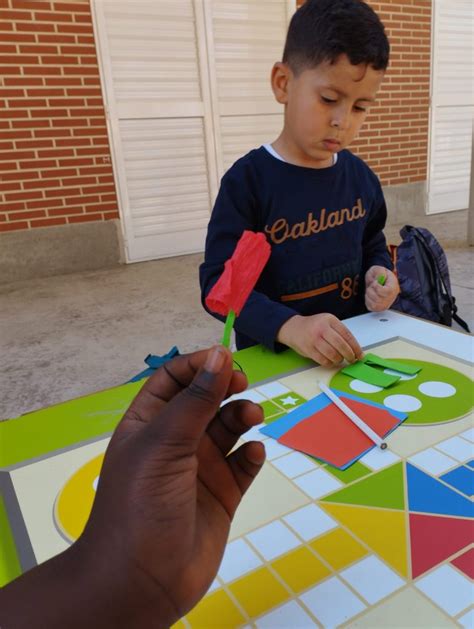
[382, 489]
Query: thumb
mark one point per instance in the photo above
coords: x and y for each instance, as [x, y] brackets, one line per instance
[187, 415]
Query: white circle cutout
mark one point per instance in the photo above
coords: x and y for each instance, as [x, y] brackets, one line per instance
[433, 388]
[364, 387]
[402, 403]
[402, 376]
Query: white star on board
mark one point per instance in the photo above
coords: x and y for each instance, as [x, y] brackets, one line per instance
[289, 400]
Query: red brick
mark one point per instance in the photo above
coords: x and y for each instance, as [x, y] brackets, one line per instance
[42, 184]
[66, 211]
[32, 144]
[44, 203]
[48, 222]
[23, 196]
[6, 16]
[85, 218]
[15, 81]
[19, 176]
[75, 7]
[16, 216]
[8, 227]
[35, 27]
[17, 37]
[63, 192]
[53, 16]
[32, 5]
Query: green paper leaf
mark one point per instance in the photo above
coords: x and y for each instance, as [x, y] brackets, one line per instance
[373, 359]
[363, 372]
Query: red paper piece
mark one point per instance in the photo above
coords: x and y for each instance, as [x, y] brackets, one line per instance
[240, 275]
[331, 436]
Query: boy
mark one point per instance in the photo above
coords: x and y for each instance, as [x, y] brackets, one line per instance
[321, 207]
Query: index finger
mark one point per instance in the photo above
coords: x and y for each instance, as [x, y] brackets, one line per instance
[350, 339]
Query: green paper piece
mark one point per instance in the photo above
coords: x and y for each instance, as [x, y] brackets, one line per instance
[433, 410]
[373, 359]
[356, 471]
[383, 489]
[9, 563]
[381, 280]
[361, 371]
[229, 324]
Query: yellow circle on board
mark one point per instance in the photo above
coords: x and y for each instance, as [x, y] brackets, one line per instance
[74, 502]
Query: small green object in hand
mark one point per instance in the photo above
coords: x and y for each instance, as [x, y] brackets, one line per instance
[381, 279]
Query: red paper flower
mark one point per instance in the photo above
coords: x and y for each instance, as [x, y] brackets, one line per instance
[240, 275]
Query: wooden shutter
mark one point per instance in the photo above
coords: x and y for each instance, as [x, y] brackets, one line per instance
[187, 85]
[245, 38]
[452, 107]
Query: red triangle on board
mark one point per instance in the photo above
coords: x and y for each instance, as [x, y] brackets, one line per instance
[435, 538]
[465, 563]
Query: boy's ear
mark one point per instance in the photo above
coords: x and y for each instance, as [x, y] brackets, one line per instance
[280, 78]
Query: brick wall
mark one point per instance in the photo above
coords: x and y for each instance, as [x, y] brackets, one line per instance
[394, 139]
[55, 164]
[54, 152]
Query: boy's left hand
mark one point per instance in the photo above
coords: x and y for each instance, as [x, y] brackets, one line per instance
[378, 297]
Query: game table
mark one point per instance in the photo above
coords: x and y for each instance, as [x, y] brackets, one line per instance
[386, 543]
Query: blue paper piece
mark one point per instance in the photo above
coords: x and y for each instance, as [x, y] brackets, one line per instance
[280, 426]
[470, 464]
[428, 495]
[462, 478]
[154, 362]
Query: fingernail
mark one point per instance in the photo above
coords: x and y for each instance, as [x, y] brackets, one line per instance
[215, 359]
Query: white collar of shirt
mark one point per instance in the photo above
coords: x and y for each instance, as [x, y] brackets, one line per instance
[272, 151]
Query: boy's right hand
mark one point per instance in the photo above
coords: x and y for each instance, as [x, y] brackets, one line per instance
[321, 337]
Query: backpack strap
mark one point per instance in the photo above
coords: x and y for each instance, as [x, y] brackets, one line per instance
[458, 319]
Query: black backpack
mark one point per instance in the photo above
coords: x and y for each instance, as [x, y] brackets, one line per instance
[422, 270]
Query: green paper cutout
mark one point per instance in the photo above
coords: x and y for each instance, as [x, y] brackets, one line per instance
[383, 489]
[361, 371]
[373, 359]
[356, 471]
[381, 280]
[433, 410]
[9, 563]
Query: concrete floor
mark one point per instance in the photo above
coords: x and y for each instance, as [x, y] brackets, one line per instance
[67, 336]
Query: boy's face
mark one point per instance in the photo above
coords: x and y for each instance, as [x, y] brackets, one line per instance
[325, 107]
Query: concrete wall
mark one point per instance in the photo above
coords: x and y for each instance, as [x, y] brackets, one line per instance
[46, 251]
[406, 206]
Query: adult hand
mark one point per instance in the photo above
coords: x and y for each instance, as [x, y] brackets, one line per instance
[321, 337]
[167, 492]
[377, 296]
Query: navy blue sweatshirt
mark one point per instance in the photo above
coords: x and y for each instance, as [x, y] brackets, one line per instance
[324, 227]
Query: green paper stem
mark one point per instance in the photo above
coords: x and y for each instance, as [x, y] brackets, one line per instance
[229, 324]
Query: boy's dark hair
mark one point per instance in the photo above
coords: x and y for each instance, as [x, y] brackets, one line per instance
[322, 30]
